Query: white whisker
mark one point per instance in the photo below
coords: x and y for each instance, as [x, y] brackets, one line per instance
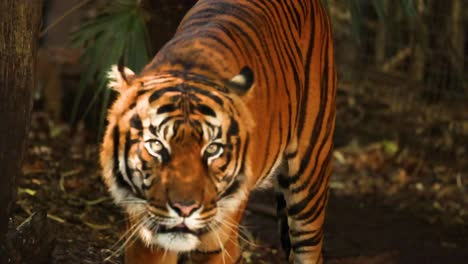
[240, 232]
[132, 230]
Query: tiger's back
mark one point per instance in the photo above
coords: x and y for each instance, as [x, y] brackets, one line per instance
[288, 47]
[261, 74]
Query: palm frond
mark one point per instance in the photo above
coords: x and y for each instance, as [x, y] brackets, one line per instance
[117, 33]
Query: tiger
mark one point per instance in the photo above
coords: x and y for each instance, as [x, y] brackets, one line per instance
[242, 97]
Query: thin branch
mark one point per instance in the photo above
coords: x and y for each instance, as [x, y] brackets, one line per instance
[399, 57]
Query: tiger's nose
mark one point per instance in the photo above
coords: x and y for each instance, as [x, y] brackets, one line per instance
[185, 208]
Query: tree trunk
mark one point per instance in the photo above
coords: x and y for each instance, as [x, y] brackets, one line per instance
[19, 25]
[457, 28]
[419, 38]
[381, 39]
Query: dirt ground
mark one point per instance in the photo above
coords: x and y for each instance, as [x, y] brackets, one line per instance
[390, 202]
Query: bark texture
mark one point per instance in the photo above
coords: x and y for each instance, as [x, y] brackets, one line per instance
[19, 25]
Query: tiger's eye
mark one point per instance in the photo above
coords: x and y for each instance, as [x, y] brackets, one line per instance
[157, 149]
[156, 146]
[213, 149]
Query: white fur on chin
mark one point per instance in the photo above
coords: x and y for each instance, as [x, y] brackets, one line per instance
[177, 242]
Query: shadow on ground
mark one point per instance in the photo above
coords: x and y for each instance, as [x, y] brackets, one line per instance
[365, 230]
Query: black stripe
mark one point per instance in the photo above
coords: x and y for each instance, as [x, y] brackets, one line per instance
[283, 223]
[298, 207]
[293, 52]
[283, 181]
[294, 17]
[168, 108]
[284, 51]
[196, 78]
[128, 171]
[168, 119]
[233, 187]
[153, 129]
[314, 211]
[134, 141]
[135, 122]
[243, 18]
[308, 64]
[233, 129]
[204, 14]
[206, 110]
[304, 8]
[317, 127]
[158, 93]
[309, 242]
[297, 233]
[238, 165]
[183, 258]
[327, 137]
[219, 40]
[203, 80]
[271, 12]
[211, 252]
[319, 211]
[210, 95]
[291, 155]
[117, 174]
[244, 152]
[207, 215]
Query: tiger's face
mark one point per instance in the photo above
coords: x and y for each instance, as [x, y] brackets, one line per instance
[173, 158]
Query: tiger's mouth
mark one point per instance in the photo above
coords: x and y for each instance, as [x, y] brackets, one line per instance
[180, 228]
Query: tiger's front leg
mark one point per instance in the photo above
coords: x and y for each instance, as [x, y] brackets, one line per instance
[305, 215]
[305, 191]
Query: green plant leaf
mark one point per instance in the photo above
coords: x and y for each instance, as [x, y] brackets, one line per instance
[117, 33]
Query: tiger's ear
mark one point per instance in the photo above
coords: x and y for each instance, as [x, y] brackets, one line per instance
[242, 82]
[119, 78]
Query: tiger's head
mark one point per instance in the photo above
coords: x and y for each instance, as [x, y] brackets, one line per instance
[173, 155]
